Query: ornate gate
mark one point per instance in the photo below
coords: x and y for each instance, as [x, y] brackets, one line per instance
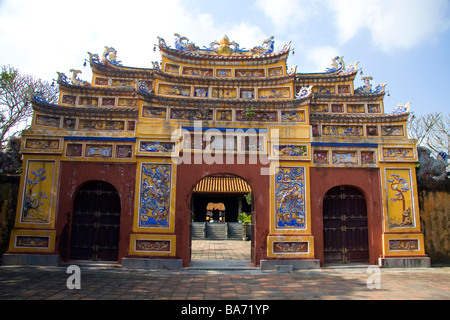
[345, 226]
[95, 223]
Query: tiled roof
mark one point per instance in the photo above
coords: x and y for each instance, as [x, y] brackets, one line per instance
[222, 185]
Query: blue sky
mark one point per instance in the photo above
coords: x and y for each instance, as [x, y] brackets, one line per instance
[404, 43]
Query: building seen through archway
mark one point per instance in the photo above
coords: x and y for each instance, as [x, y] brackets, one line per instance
[217, 205]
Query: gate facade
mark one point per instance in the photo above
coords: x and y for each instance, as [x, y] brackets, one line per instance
[154, 133]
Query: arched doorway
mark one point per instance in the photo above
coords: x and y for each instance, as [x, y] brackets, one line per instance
[95, 223]
[219, 204]
[345, 231]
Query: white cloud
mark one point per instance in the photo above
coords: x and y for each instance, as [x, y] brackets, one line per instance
[286, 14]
[320, 58]
[42, 37]
[399, 24]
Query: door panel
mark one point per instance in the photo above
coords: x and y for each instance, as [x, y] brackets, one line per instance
[345, 226]
[96, 223]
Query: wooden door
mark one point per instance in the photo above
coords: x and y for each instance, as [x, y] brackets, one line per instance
[96, 223]
[345, 226]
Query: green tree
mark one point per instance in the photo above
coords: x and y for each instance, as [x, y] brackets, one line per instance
[16, 92]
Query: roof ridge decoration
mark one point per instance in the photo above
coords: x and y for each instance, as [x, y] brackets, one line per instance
[304, 92]
[109, 57]
[74, 80]
[338, 66]
[402, 108]
[367, 88]
[223, 47]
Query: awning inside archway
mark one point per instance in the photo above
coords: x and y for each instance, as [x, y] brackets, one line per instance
[224, 185]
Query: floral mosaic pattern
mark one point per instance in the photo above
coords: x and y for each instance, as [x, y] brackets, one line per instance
[400, 199]
[37, 192]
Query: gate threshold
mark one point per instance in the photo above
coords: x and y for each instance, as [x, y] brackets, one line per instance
[227, 265]
[90, 263]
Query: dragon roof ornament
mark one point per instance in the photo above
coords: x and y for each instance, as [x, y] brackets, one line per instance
[338, 66]
[223, 47]
[402, 108]
[367, 88]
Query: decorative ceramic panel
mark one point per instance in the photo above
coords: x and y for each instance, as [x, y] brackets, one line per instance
[67, 99]
[404, 244]
[374, 108]
[124, 151]
[252, 143]
[293, 116]
[47, 121]
[325, 89]
[290, 247]
[98, 151]
[74, 149]
[368, 157]
[154, 112]
[111, 125]
[88, 101]
[319, 108]
[200, 72]
[37, 193]
[355, 108]
[250, 115]
[153, 245]
[123, 83]
[172, 68]
[275, 72]
[224, 115]
[249, 73]
[32, 242]
[344, 89]
[247, 94]
[108, 102]
[157, 146]
[174, 90]
[125, 102]
[290, 204]
[337, 108]
[42, 144]
[223, 73]
[191, 114]
[400, 198]
[290, 150]
[224, 93]
[101, 81]
[344, 157]
[398, 153]
[201, 92]
[396, 131]
[372, 131]
[342, 130]
[320, 157]
[274, 93]
[155, 194]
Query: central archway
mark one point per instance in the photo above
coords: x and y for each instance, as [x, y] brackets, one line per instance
[192, 173]
[221, 209]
